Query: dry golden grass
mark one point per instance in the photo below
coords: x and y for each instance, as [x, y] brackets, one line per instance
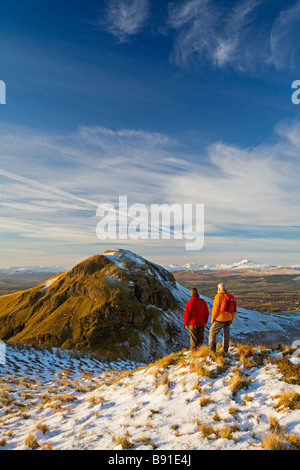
[274, 442]
[278, 439]
[47, 446]
[232, 410]
[206, 430]
[238, 382]
[197, 367]
[290, 372]
[244, 350]
[167, 361]
[276, 427]
[288, 400]
[216, 416]
[42, 427]
[124, 441]
[205, 401]
[31, 442]
[2, 442]
[96, 400]
[294, 441]
[226, 433]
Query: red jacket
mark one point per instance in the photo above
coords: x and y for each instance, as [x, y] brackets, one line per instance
[196, 311]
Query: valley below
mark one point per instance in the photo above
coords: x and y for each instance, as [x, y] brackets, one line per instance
[265, 291]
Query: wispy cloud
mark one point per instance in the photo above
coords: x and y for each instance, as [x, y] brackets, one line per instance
[207, 32]
[125, 18]
[247, 187]
[52, 185]
[238, 35]
[242, 34]
[284, 39]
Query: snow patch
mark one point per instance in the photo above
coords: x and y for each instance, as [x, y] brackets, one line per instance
[85, 403]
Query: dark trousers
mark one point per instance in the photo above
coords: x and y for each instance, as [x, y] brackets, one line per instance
[216, 327]
[196, 335]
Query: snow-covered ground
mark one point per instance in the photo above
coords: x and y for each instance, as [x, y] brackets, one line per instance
[53, 399]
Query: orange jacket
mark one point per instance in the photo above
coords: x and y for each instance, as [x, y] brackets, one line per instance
[216, 314]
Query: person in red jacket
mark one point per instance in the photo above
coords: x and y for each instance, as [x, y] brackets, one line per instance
[196, 315]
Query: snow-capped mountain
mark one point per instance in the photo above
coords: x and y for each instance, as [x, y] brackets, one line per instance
[244, 264]
[32, 270]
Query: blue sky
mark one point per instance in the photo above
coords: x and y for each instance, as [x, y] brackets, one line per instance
[185, 101]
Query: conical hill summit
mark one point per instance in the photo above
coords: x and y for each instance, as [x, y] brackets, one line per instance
[117, 304]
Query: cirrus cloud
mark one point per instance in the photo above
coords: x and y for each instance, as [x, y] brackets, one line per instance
[125, 18]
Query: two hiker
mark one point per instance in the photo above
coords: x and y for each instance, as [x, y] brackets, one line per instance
[196, 316]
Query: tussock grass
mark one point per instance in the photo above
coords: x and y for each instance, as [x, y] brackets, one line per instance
[206, 430]
[47, 446]
[169, 360]
[274, 442]
[124, 441]
[2, 442]
[244, 350]
[246, 356]
[276, 427]
[290, 372]
[226, 433]
[232, 410]
[197, 368]
[288, 400]
[216, 416]
[278, 439]
[96, 400]
[294, 441]
[42, 427]
[31, 442]
[238, 382]
[205, 401]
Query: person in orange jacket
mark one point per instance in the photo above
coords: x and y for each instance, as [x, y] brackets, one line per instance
[220, 320]
[196, 315]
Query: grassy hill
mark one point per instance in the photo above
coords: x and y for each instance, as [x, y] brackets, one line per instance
[117, 304]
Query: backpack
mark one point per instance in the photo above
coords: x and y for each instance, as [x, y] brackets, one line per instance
[228, 304]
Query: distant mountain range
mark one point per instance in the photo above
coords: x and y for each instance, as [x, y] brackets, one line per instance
[32, 270]
[244, 264]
